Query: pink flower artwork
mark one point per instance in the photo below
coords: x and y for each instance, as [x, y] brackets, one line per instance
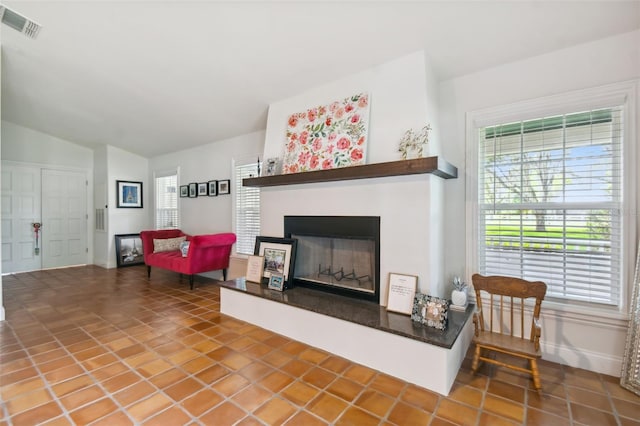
[327, 136]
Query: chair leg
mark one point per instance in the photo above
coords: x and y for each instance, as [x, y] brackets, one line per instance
[476, 359]
[148, 272]
[536, 375]
[224, 274]
[191, 281]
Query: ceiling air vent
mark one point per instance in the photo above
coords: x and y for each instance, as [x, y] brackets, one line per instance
[19, 22]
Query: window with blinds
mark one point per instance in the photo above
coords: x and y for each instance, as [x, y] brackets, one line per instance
[247, 209]
[550, 203]
[166, 197]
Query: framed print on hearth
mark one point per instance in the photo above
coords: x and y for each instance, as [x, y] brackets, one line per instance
[401, 292]
[213, 188]
[430, 310]
[276, 281]
[129, 194]
[224, 187]
[279, 256]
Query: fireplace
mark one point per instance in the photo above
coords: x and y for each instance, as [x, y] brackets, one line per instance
[337, 254]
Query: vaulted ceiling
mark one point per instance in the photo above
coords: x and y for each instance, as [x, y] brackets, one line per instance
[153, 77]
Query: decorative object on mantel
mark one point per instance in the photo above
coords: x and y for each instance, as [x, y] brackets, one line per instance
[401, 292]
[459, 295]
[327, 136]
[412, 144]
[430, 310]
[273, 166]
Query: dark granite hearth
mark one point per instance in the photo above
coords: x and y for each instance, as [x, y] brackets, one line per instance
[361, 312]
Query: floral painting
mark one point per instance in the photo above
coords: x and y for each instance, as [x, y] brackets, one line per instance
[327, 136]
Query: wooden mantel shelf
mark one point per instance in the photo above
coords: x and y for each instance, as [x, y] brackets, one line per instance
[433, 165]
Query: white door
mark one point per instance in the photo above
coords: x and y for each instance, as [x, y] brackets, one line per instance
[64, 218]
[20, 209]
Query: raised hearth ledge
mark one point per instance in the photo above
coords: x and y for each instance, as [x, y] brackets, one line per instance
[358, 330]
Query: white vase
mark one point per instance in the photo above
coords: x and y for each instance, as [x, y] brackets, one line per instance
[459, 297]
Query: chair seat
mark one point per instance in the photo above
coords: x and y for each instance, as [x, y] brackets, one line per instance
[507, 344]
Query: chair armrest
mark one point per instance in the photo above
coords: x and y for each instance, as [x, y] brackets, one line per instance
[211, 240]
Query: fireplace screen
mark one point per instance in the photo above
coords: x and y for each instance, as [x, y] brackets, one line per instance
[344, 263]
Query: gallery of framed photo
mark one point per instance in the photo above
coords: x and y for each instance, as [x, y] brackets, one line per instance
[184, 191]
[213, 188]
[401, 292]
[276, 281]
[129, 250]
[193, 190]
[203, 189]
[430, 310]
[279, 256]
[129, 194]
[224, 187]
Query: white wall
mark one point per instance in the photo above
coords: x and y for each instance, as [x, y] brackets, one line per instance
[123, 165]
[410, 207]
[583, 340]
[2, 315]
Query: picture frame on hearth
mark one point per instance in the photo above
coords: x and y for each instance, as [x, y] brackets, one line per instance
[276, 281]
[401, 293]
[279, 256]
[430, 310]
[255, 268]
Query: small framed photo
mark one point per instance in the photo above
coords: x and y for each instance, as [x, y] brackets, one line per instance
[430, 310]
[129, 194]
[184, 191]
[272, 167]
[193, 190]
[401, 292]
[255, 268]
[213, 188]
[279, 257]
[276, 281]
[224, 187]
[203, 189]
[129, 250]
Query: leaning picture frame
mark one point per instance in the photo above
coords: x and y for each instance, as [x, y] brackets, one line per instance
[401, 293]
[129, 250]
[129, 194]
[276, 281]
[430, 310]
[279, 256]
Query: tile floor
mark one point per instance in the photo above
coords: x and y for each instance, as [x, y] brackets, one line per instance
[90, 346]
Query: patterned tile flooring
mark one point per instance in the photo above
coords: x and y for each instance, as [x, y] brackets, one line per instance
[90, 346]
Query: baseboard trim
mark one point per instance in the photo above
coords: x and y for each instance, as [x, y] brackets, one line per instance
[580, 358]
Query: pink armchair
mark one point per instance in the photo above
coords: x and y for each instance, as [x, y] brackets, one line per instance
[206, 253]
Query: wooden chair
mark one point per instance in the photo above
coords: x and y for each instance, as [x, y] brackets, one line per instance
[505, 308]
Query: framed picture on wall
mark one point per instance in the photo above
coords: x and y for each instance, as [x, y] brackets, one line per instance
[213, 188]
[129, 194]
[202, 189]
[193, 190]
[224, 187]
[184, 191]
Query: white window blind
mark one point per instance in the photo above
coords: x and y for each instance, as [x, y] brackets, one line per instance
[166, 197]
[550, 203]
[247, 209]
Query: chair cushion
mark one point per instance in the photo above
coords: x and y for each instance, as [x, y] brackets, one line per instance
[167, 244]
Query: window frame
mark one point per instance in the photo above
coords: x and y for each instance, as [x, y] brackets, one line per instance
[160, 174]
[601, 97]
[237, 162]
